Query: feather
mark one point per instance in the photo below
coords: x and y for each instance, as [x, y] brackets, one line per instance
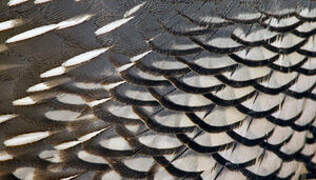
[153, 89]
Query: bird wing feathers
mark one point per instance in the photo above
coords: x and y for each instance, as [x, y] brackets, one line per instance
[116, 89]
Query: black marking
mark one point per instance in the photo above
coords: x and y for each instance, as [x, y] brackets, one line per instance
[233, 102]
[125, 171]
[247, 21]
[204, 23]
[141, 81]
[290, 68]
[161, 72]
[278, 16]
[254, 43]
[101, 112]
[196, 32]
[252, 175]
[155, 126]
[207, 71]
[284, 123]
[304, 94]
[246, 141]
[140, 148]
[304, 34]
[254, 63]
[307, 72]
[175, 52]
[282, 29]
[200, 148]
[212, 129]
[127, 100]
[174, 170]
[230, 165]
[192, 89]
[240, 84]
[306, 52]
[176, 107]
[217, 50]
[275, 91]
[257, 114]
[288, 50]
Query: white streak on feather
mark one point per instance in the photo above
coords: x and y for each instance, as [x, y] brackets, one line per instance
[88, 157]
[90, 135]
[53, 156]
[26, 138]
[47, 85]
[62, 115]
[41, 1]
[112, 85]
[54, 72]
[25, 173]
[38, 87]
[71, 99]
[16, 2]
[24, 101]
[97, 102]
[10, 24]
[124, 67]
[111, 26]
[4, 156]
[7, 117]
[32, 33]
[74, 21]
[66, 145]
[115, 143]
[69, 178]
[83, 138]
[87, 85]
[133, 10]
[140, 56]
[84, 57]
[33, 99]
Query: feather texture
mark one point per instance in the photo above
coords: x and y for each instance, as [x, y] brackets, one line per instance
[116, 89]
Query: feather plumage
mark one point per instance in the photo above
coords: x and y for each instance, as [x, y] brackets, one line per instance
[116, 89]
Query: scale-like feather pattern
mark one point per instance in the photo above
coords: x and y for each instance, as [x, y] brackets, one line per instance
[157, 89]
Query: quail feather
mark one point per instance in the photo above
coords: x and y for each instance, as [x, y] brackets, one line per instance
[157, 89]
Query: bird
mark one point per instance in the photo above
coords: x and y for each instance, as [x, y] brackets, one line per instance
[157, 89]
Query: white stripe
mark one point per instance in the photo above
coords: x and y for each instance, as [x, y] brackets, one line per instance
[7, 117]
[112, 85]
[133, 10]
[24, 101]
[47, 85]
[97, 102]
[41, 1]
[38, 87]
[10, 24]
[74, 21]
[91, 157]
[90, 135]
[26, 138]
[140, 56]
[4, 156]
[16, 2]
[84, 57]
[111, 26]
[124, 67]
[54, 72]
[69, 178]
[66, 145]
[32, 33]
